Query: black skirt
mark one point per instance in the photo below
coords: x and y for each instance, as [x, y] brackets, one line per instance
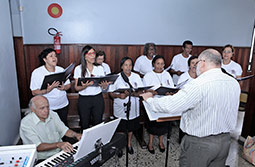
[158, 128]
[132, 125]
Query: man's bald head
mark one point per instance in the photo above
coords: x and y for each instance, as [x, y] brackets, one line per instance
[211, 56]
[36, 99]
[40, 106]
[208, 59]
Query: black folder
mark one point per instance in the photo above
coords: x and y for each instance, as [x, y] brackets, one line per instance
[244, 78]
[98, 80]
[122, 90]
[61, 76]
[163, 90]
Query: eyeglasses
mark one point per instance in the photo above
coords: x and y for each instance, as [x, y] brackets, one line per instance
[91, 53]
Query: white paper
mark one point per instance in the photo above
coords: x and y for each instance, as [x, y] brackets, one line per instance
[154, 116]
[103, 131]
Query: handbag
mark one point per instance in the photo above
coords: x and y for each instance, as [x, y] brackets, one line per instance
[249, 149]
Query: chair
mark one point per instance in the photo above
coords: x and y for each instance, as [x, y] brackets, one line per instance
[243, 101]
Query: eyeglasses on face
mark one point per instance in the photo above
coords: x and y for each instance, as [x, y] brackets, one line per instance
[91, 53]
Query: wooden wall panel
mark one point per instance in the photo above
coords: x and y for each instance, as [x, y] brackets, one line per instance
[27, 60]
[114, 53]
[21, 71]
[249, 119]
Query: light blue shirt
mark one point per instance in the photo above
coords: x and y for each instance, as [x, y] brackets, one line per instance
[35, 131]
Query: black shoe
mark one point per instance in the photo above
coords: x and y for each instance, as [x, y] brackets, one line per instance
[130, 150]
[161, 149]
[120, 153]
[151, 151]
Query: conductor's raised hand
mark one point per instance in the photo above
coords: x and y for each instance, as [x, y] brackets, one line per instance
[146, 95]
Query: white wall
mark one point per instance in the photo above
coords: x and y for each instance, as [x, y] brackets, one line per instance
[9, 102]
[16, 20]
[170, 22]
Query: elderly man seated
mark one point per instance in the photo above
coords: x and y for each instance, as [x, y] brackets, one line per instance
[45, 129]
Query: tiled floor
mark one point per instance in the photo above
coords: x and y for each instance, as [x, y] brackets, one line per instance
[142, 158]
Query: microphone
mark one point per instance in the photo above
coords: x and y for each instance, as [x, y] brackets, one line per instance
[125, 78]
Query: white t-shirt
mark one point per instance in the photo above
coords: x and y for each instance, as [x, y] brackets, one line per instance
[179, 63]
[143, 65]
[233, 68]
[96, 72]
[57, 98]
[107, 69]
[158, 79]
[185, 76]
[118, 104]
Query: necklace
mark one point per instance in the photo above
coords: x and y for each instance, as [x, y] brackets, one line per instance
[159, 79]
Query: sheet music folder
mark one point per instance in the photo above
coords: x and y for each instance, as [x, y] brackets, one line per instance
[61, 76]
[162, 90]
[122, 90]
[98, 80]
[244, 78]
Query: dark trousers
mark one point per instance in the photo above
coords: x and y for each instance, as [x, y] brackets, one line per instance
[210, 151]
[90, 106]
[62, 113]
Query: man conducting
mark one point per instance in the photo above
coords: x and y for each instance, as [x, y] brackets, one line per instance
[45, 129]
[209, 108]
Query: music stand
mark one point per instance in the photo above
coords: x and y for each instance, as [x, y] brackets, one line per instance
[162, 117]
[128, 105]
[168, 119]
[102, 132]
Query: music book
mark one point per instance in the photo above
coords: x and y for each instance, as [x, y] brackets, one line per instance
[155, 116]
[98, 80]
[61, 76]
[244, 78]
[163, 90]
[122, 90]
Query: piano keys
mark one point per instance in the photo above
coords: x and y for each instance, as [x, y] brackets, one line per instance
[65, 159]
[59, 159]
